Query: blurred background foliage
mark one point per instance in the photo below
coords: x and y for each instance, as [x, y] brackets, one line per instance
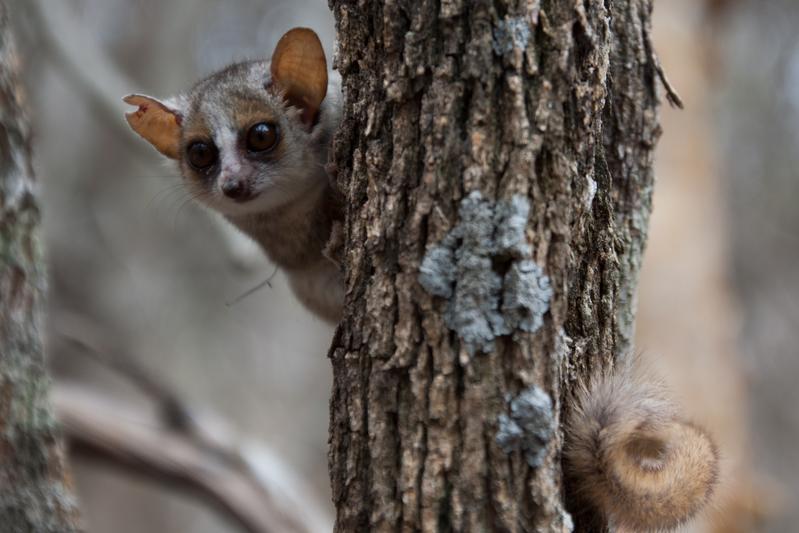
[128, 251]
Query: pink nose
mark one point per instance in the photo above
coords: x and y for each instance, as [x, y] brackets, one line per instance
[237, 190]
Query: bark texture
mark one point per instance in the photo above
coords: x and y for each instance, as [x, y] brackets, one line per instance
[35, 493]
[496, 157]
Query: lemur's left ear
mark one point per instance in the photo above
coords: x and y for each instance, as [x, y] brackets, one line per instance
[158, 122]
[299, 70]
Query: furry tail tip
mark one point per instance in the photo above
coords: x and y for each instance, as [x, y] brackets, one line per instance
[631, 458]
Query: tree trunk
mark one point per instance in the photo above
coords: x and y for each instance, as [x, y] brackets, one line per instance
[35, 493]
[496, 157]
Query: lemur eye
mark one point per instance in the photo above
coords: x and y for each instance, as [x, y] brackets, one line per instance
[262, 137]
[202, 155]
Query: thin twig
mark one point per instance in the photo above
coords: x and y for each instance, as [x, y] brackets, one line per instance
[64, 42]
[94, 342]
[266, 283]
[671, 93]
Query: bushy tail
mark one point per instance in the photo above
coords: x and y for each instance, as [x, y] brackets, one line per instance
[629, 456]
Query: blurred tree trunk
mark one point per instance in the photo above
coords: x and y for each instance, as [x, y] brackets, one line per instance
[496, 158]
[35, 495]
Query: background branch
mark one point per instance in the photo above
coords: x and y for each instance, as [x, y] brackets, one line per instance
[172, 444]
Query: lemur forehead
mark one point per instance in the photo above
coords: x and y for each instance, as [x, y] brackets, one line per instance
[248, 73]
[234, 98]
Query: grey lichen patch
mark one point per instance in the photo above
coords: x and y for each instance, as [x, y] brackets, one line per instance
[460, 269]
[437, 272]
[526, 296]
[486, 301]
[529, 426]
[511, 33]
[511, 221]
[477, 223]
[473, 311]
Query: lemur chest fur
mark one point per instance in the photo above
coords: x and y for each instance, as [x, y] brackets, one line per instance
[294, 235]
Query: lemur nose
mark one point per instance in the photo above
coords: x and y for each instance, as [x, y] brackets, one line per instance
[237, 190]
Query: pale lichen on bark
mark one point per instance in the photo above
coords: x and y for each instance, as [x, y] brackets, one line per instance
[466, 268]
[35, 495]
[529, 425]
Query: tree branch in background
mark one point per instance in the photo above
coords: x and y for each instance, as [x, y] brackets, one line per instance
[95, 342]
[81, 62]
[174, 446]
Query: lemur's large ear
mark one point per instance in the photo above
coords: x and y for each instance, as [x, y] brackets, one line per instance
[299, 70]
[158, 122]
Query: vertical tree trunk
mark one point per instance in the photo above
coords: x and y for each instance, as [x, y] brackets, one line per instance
[35, 495]
[496, 157]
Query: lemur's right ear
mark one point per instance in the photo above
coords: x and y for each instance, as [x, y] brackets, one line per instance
[299, 71]
[157, 122]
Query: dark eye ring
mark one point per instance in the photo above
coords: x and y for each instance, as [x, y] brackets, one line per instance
[202, 155]
[262, 137]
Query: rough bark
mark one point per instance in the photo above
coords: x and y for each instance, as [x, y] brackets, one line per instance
[496, 157]
[35, 492]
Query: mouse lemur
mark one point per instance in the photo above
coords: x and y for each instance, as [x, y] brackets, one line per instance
[252, 142]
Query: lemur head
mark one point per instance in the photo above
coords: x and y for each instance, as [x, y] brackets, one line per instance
[251, 137]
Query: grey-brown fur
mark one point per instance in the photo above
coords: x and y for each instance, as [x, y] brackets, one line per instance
[294, 208]
[630, 457]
